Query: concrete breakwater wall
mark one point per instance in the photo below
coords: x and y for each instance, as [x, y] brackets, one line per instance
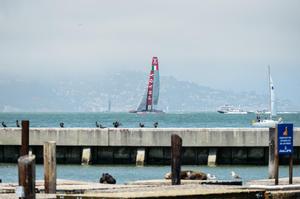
[123, 145]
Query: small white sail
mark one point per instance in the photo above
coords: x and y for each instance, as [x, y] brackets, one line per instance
[269, 122]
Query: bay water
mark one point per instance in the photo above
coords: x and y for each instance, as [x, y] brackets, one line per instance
[127, 173]
[129, 120]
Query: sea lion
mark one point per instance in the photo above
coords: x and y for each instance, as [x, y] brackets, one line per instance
[107, 179]
[189, 175]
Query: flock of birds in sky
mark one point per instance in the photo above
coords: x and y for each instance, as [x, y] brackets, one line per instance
[116, 124]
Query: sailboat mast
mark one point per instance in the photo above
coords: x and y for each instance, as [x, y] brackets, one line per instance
[270, 92]
[272, 97]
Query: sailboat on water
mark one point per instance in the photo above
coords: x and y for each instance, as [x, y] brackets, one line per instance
[149, 100]
[273, 113]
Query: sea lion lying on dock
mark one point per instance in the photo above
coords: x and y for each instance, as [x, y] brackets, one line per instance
[189, 175]
[107, 179]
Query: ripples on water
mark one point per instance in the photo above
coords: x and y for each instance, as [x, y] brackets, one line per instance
[9, 172]
[203, 119]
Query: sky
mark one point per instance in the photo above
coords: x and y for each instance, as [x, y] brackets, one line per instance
[221, 44]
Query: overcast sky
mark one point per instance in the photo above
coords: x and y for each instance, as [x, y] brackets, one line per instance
[216, 43]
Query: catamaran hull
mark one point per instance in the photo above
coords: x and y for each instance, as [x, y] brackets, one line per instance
[233, 113]
[147, 112]
[265, 123]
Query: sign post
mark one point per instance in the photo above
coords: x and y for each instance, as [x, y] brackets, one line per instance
[284, 146]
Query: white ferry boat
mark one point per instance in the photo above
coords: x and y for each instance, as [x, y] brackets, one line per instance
[228, 109]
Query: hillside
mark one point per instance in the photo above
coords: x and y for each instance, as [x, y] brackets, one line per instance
[125, 90]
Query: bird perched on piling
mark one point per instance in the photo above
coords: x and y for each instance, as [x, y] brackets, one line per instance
[234, 175]
[141, 125]
[155, 124]
[17, 123]
[3, 124]
[116, 124]
[61, 125]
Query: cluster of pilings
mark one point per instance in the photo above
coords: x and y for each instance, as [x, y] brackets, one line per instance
[26, 166]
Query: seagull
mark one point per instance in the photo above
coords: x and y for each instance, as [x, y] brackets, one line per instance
[116, 124]
[17, 123]
[61, 125]
[234, 175]
[3, 124]
[155, 124]
[142, 125]
[211, 176]
[97, 125]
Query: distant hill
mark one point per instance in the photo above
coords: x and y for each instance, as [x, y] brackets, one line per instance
[124, 90]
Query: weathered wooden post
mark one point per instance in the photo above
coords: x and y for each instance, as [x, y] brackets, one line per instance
[25, 138]
[26, 167]
[50, 166]
[271, 153]
[291, 169]
[176, 150]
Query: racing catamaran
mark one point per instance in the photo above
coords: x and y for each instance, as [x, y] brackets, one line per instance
[150, 98]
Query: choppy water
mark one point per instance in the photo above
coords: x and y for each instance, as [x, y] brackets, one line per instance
[203, 119]
[9, 172]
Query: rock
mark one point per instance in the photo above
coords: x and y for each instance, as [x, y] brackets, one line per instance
[107, 179]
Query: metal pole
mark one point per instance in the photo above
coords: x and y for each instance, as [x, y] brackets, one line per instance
[25, 138]
[276, 157]
[176, 150]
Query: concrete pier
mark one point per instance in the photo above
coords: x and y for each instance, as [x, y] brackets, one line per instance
[121, 145]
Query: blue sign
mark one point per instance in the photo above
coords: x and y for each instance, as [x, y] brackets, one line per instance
[285, 139]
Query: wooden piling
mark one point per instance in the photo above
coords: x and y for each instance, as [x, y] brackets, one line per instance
[26, 167]
[176, 154]
[271, 164]
[25, 138]
[50, 166]
[291, 169]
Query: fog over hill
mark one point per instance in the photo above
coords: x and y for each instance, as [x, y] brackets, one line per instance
[125, 91]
